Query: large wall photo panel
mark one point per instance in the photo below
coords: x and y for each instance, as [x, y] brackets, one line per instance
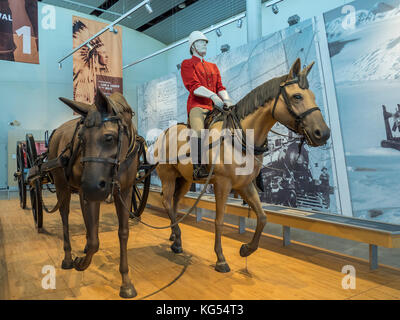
[364, 48]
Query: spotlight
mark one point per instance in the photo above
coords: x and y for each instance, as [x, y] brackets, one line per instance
[148, 8]
[275, 9]
[114, 30]
[218, 31]
[89, 46]
[182, 6]
[239, 23]
[293, 20]
[225, 48]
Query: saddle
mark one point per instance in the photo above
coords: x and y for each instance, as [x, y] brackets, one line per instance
[212, 117]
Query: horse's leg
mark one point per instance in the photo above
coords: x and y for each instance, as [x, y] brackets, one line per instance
[83, 208]
[127, 289]
[91, 218]
[182, 186]
[221, 191]
[250, 195]
[64, 197]
[168, 190]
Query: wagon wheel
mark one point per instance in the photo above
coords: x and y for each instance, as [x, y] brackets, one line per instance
[31, 153]
[141, 189]
[36, 185]
[36, 202]
[20, 175]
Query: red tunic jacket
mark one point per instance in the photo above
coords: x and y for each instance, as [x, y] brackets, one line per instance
[195, 74]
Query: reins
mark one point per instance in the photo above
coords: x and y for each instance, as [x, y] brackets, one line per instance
[194, 205]
[258, 150]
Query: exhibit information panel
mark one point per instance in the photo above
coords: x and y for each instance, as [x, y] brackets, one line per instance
[19, 31]
[364, 47]
[305, 180]
[98, 64]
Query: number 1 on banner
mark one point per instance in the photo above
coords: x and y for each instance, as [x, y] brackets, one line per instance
[25, 31]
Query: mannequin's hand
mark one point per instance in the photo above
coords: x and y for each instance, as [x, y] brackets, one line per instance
[228, 103]
[217, 101]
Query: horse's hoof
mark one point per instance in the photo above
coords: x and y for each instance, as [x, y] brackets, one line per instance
[176, 249]
[67, 264]
[222, 267]
[85, 250]
[245, 250]
[172, 237]
[40, 230]
[77, 264]
[127, 292]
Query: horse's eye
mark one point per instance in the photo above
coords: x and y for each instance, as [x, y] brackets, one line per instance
[109, 138]
[298, 96]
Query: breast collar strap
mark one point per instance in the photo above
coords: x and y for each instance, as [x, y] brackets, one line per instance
[299, 118]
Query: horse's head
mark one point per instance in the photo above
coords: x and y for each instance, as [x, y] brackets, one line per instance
[295, 107]
[105, 138]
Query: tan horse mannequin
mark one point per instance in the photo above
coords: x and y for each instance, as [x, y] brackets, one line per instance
[259, 110]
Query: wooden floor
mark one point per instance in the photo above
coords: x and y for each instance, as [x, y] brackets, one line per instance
[273, 272]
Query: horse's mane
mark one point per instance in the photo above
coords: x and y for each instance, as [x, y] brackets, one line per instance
[258, 97]
[120, 104]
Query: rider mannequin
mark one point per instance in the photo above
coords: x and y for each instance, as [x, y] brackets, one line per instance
[203, 81]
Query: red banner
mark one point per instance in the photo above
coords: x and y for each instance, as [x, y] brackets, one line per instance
[19, 31]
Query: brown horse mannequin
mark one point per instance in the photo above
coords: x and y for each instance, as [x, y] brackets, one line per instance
[99, 139]
[256, 112]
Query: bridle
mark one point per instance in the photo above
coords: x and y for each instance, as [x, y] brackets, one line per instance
[134, 145]
[299, 118]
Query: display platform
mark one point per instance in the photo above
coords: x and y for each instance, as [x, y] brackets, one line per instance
[273, 272]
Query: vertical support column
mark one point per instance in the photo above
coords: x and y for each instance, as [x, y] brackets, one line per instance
[373, 257]
[328, 86]
[199, 215]
[286, 235]
[253, 13]
[242, 225]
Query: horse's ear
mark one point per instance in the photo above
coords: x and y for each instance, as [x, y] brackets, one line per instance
[308, 68]
[295, 69]
[79, 107]
[102, 103]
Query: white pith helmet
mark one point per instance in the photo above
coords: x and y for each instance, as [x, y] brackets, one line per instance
[196, 35]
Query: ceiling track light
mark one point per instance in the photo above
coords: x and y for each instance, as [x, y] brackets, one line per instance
[239, 23]
[218, 31]
[149, 8]
[114, 30]
[272, 3]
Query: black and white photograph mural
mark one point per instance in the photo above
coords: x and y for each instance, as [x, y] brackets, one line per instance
[291, 176]
[364, 45]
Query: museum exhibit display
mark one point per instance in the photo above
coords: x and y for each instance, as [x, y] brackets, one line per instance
[199, 150]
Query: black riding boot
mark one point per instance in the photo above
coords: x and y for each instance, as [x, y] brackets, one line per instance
[199, 170]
